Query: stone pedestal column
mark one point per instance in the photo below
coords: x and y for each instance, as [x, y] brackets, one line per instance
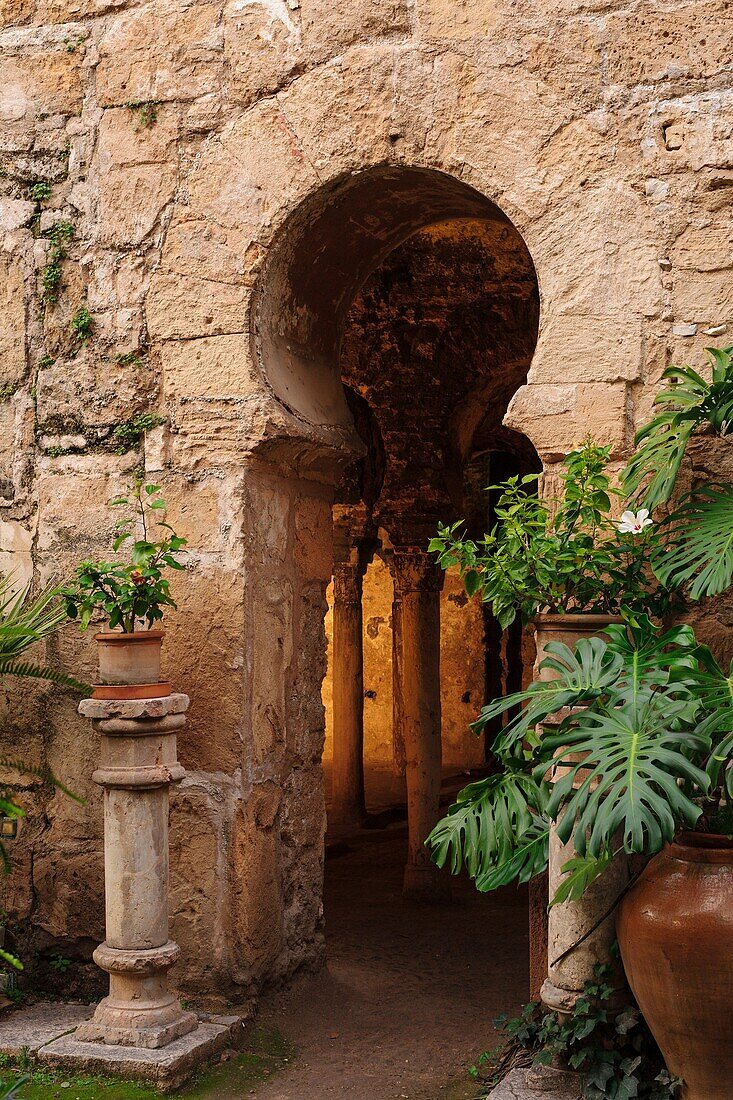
[569, 922]
[348, 806]
[138, 764]
[416, 679]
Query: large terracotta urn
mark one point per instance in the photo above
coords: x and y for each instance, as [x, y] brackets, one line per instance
[675, 930]
[559, 985]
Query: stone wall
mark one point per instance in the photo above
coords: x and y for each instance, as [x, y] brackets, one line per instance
[196, 154]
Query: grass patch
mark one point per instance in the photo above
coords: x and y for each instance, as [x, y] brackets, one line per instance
[50, 1086]
[267, 1052]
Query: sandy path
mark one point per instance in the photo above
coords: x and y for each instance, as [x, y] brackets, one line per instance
[410, 990]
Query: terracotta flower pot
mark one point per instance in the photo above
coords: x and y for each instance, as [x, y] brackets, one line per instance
[675, 930]
[129, 665]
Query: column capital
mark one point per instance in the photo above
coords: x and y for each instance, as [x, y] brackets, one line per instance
[413, 570]
[134, 709]
[349, 569]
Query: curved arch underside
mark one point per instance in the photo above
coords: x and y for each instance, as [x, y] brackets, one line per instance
[324, 255]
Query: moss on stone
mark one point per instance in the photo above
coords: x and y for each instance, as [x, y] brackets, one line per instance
[267, 1052]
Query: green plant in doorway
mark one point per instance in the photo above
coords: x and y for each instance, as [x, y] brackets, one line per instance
[559, 556]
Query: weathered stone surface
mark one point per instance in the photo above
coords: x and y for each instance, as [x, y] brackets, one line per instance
[125, 140]
[587, 349]
[215, 366]
[35, 1027]
[157, 51]
[132, 201]
[12, 322]
[690, 35]
[456, 22]
[261, 46]
[602, 132]
[168, 1067]
[557, 418]
[542, 1083]
[188, 307]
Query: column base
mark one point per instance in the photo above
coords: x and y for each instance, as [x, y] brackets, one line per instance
[425, 883]
[139, 1011]
[106, 1027]
[559, 1000]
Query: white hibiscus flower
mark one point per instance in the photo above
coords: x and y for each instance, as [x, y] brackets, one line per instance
[633, 523]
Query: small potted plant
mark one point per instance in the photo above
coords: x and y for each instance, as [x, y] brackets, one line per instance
[131, 595]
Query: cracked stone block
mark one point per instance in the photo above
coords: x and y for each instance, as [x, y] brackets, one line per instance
[35, 1027]
[168, 1067]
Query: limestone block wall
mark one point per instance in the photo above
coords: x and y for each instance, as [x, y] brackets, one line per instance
[158, 163]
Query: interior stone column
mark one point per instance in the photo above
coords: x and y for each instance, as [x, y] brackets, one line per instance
[138, 764]
[416, 679]
[348, 806]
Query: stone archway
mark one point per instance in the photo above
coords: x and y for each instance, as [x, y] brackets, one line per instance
[265, 465]
[460, 365]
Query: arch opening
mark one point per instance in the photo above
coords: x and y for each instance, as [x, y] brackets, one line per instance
[396, 318]
[324, 254]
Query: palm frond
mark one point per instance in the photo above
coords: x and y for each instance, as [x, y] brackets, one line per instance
[687, 404]
[40, 773]
[23, 620]
[27, 669]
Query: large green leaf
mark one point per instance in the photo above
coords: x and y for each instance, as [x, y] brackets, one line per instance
[648, 657]
[578, 873]
[715, 690]
[701, 547]
[621, 768]
[497, 829]
[689, 402]
[580, 676]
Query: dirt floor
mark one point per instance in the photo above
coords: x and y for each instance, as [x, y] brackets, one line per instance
[407, 1001]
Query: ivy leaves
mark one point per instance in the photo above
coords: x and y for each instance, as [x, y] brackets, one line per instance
[613, 1050]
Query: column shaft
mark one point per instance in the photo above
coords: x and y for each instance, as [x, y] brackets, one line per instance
[348, 803]
[138, 764]
[416, 675]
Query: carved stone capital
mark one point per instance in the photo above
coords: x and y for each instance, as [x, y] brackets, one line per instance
[347, 582]
[414, 571]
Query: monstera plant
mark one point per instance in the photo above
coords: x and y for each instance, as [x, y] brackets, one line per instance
[642, 762]
[645, 750]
